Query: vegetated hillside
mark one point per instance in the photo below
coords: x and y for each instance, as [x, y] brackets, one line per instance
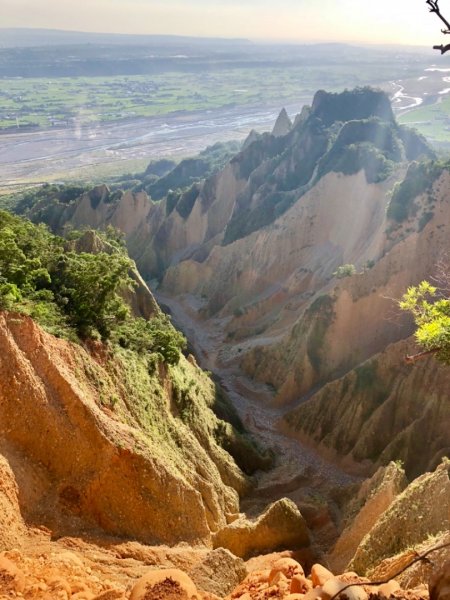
[299, 243]
[107, 427]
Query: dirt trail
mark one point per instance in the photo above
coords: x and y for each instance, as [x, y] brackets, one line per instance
[299, 470]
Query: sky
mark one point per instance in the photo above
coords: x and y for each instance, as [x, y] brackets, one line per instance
[368, 21]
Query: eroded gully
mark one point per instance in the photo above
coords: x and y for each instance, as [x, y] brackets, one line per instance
[299, 472]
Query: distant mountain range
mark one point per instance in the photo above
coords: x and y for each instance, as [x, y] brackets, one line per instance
[23, 37]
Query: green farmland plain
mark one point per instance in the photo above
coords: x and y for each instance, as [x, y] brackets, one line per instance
[64, 101]
[433, 120]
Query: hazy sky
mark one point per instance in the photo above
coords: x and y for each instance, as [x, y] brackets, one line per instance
[393, 21]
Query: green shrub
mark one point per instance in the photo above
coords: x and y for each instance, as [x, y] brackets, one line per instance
[345, 271]
[419, 179]
[155, 336]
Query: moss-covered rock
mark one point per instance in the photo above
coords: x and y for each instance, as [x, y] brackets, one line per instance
[421, 511]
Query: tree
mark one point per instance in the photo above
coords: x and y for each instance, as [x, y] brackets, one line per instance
[434, 8]
[431, 312]
[87, 287]
[345, 271]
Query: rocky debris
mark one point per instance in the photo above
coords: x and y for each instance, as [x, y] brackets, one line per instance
[440, 583]
[374, 498]
[283, 124]
[286, 581]
[219, 572]
[280, 526]
[165, 584]
[50, 571]
[421, 511]
[11, 578]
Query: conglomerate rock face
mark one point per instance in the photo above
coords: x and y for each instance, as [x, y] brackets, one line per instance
[374, 498]
[86, 454]
[421, 511]
[12, 526]
[381, 411]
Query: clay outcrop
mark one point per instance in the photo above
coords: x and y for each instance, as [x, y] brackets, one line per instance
[280, 526]
[421, 511]
[91, 449]
[374, 497]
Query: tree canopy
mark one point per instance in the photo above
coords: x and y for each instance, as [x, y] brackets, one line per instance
[431, 312]
[78, 295]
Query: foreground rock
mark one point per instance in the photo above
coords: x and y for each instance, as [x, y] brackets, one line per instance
[75, 569]
[220, 572]
[281, 526]
[285, 580]
[95, 444]
[373, 499]
[421, 511]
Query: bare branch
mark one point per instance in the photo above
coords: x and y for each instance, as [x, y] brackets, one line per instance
[434, 8]
[442, 277]
[442, 48]
[412, 359]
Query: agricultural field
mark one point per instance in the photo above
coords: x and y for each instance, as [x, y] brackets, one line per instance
[431, 115]
[62, 102]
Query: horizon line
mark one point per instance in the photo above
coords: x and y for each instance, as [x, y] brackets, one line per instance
[255, 40]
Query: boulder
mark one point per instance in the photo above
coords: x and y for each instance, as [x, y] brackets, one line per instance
[219, 573]
[387, 589]
[280, 526]
[320, 575]
[287, 566]
[334, 586]
[300, 585]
